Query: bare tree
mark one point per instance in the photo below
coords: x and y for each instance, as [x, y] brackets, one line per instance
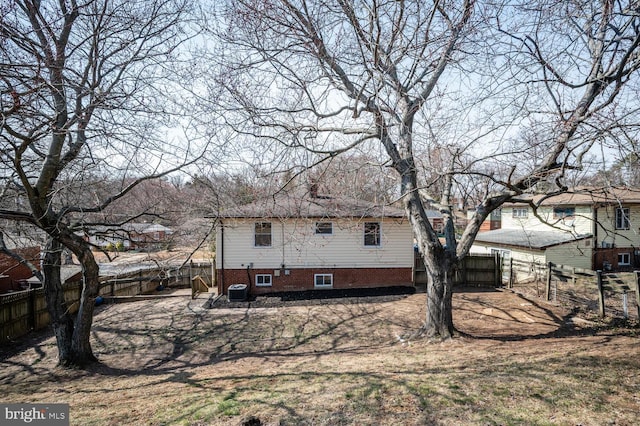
[323, 77]
[86, 90]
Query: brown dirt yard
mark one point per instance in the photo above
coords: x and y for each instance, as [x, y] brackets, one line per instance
[171, 361]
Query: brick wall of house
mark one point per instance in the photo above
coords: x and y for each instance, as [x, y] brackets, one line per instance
[610, 255]
[14, 271]
[303, 279]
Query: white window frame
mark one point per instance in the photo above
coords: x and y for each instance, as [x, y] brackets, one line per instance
[256, 234]
[520, 212]
[365, 234]
[623, 218]
[325, 224]
[323, 285]
[623, 256]
[504, 254]
[261, 277]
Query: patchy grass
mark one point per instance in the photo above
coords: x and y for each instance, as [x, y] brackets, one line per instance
[175, 363]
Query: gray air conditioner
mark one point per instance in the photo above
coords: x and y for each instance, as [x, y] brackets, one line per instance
[237, 293]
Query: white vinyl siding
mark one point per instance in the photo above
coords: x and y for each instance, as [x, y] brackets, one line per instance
[580, 223]
[577, 254]
[619, 237]
[296, 245]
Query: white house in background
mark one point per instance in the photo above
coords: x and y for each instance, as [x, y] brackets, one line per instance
[586, 228]
[131, 236]
[311, 242]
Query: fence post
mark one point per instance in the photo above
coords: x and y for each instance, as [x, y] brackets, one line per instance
[548, 286]
[510, 272]
[497, 277]
[32, 304]
[638, 293]
[600, 293]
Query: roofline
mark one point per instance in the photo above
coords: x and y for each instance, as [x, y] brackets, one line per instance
[580, 238]
[398, 216]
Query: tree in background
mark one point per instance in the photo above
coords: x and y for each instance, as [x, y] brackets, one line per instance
[308, 80]
[87, 89]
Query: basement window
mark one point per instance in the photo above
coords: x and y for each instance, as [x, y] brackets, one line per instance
[323, 280]
[624, 259]
[263, 280]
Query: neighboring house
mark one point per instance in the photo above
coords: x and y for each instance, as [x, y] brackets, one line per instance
[587, 228]
[290, 243]
[494, 221]
[13, 274]
[131, 236]
[436, 220]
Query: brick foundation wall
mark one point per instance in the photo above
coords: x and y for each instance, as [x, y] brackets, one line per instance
[611, 255]
[303, 279]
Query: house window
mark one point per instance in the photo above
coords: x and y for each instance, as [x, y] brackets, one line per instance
[504, 254]
[263, 234]
[263, 280]
[622, 218]
[324, 228]
[564, 212]
[323, 280]
[624, 259]
[520, 212]
[372, 234]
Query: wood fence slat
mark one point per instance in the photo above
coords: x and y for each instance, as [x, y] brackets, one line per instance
[600, 294]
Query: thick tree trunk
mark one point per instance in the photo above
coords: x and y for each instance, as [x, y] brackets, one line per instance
[61, 319]
[439, 316]
[72, 330]
[438, 260]
[84, 318]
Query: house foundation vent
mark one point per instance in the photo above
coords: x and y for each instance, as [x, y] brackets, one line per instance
[237, 293]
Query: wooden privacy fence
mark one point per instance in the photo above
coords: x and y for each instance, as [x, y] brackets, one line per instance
[478, 270]
[23, 311]
[617, 294]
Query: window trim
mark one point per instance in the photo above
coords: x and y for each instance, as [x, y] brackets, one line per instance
[256, 234]
[315, 281]
[520, 212]
[377, 235]
[317, 228]
[622, 255]
[264, 276]
[623, 218]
